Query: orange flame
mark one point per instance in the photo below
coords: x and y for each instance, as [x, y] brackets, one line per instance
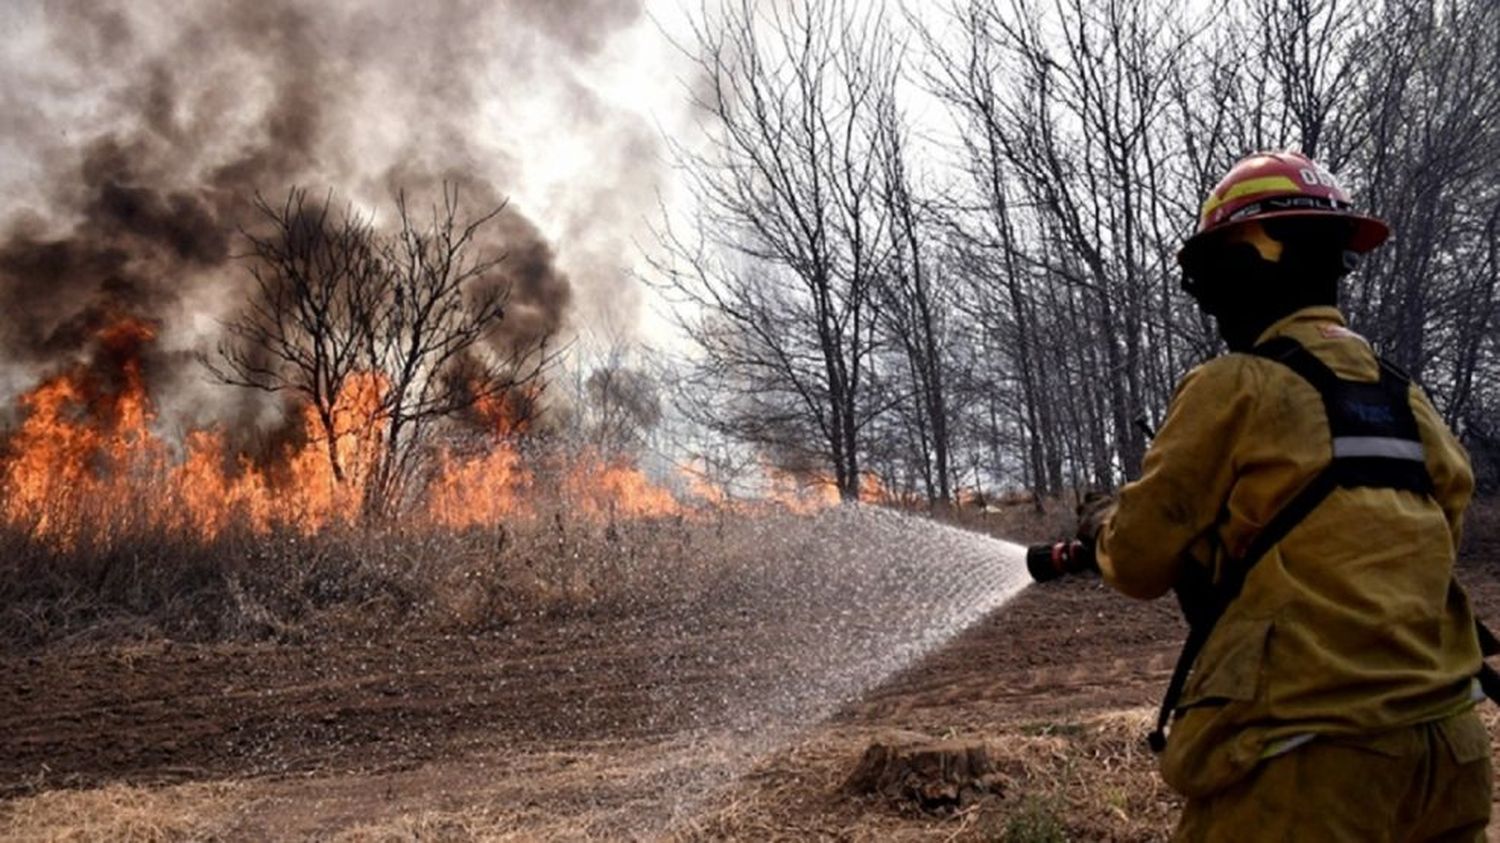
[603, 489]
[703, 489]
[85, 435]
[479, 491]
[85, 462]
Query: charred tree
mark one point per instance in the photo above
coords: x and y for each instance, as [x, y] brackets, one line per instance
[430, 338]
[304, 327]
[381, 336]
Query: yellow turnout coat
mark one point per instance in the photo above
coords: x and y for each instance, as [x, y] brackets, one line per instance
[1352, 624]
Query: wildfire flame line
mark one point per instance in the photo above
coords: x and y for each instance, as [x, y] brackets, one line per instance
[84, 461]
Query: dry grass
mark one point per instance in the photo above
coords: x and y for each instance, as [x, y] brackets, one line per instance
[285, 586]
[122, 813]
[1086, 779]
[1081, 779]
[476, 825]
[435, 826]
[139, 581]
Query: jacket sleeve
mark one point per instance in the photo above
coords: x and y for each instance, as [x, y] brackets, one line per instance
[1447, 463]
[1185, 480]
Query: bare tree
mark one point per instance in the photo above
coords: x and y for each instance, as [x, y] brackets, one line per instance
[1069, 118]
[915, 297]
[1309, 48]
[1025, 325]
[429, 337]
[997, 304]
[304, 329]
[1429, 163]
[615, 403]
[791, 235]
[408, 319]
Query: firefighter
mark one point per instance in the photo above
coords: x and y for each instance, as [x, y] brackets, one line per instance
[1305, 500]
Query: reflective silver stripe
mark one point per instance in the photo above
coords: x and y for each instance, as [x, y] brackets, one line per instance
[1378, 446]
[1282, 747]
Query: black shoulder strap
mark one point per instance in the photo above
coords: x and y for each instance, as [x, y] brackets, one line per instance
[1295, 356]
[1291, 353]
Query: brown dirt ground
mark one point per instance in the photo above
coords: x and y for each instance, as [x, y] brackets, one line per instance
[559, 730]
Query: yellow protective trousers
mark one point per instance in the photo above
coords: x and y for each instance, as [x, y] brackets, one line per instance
[1428, 782]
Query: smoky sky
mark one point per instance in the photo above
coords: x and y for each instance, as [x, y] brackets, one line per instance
[138, 134]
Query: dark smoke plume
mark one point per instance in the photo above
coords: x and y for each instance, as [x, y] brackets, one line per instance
[149, 128]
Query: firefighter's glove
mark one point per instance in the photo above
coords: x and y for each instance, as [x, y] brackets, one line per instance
[1093, 513]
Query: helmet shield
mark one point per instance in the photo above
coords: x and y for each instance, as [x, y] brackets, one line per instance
[1277, 185]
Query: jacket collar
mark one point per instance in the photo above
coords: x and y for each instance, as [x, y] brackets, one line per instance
[1317, 313]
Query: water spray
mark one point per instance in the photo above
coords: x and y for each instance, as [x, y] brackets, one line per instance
[845, 600]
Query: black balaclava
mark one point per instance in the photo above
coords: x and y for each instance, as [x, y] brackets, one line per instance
[1246, 293]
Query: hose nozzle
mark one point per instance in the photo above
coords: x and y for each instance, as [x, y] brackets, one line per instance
[1047, 562]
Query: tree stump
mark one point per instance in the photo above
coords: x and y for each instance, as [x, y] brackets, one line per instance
[935, 776]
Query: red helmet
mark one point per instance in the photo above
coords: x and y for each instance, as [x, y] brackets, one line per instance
[1266, 185]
